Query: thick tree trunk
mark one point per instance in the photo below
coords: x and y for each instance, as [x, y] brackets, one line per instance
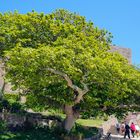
[69, 122]
[71, 117]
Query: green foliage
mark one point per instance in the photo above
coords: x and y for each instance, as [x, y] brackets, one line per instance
[34, 134]
[13, 107]
[65, 42]
[58, 28]
[3, 126]
[76, 132]
[16, 107]
[4, 104]
[11, 97]
[11, 103]
[53, 134]
[85, 132]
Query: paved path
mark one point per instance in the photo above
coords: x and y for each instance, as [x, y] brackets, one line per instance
[120, 137]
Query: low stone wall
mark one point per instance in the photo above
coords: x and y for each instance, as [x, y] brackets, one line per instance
[40, 120]
[34, 119]
[133, 117]
[13, 119]
[109, 124]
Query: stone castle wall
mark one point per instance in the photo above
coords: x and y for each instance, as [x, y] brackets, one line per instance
[109, 124]
[126, 52]
[7, 85]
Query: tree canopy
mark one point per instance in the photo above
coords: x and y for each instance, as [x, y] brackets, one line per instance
[62, 61]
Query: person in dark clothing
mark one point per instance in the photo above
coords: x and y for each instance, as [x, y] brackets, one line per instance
[127, 131]
[118, 128]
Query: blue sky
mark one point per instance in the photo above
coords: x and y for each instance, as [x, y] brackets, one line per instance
[120, 17]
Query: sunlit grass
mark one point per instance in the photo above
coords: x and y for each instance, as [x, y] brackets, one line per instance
[90, 122]
[85, 122]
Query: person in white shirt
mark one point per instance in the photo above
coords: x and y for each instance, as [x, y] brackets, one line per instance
[137, 130]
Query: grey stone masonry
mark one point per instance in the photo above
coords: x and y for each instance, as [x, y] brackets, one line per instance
[126, 52]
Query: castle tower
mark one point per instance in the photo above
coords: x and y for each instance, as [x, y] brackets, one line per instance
[126, 52]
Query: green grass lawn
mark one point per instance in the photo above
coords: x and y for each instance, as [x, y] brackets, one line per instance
[84, 122]
[90, 122]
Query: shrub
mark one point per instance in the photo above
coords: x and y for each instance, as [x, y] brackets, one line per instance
[11, 97]
[76, 132]
[84, 131]
[4, 104]
[15, 107]
[3, 126]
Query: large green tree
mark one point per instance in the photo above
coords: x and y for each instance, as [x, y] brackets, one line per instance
[62, 61]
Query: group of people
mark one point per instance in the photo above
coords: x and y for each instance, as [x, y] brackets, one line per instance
[126, 130]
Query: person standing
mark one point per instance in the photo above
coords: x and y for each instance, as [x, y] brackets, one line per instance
[133, 129]
[118, 128]
[122, 128]
[127, 131]
[137, 130]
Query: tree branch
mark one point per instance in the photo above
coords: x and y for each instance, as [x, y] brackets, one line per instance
[122, 106]
[66, 77]
[86, 89]
[80, 91]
